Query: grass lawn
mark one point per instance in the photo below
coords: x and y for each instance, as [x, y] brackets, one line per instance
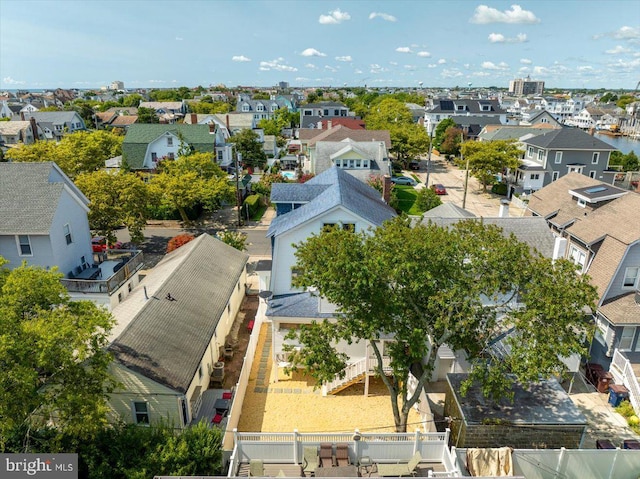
[406, 199]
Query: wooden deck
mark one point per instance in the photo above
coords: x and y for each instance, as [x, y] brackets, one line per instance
[293, 470]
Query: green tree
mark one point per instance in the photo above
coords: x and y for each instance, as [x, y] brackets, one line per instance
[116, 200]
[439, 134]
[248, 144]
[207, 108]
[76, 153]
[436, 295]
[53, 359]
[132, 100]
[274, 125]
[628, 162]
[189, 181]
[236, 239]
[488, 158]
[147, 115]
[451, 141]
[427, 199]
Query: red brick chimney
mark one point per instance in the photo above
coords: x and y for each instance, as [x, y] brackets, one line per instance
[386, 188]
[194, 119]
[34, 128]
[228, 127]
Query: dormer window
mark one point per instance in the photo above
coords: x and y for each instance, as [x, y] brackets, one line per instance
[460, 107]
[259, 107]
[274, 107]
[631, 276]
[578, 257]
[245, 107]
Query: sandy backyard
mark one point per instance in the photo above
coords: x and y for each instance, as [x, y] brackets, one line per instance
[291, 403]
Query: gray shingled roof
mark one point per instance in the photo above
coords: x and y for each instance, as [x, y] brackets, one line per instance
[55, 117]
[296, 305]
[471, 106]
[343, 190]
[532, 230]
[379, 165]
[448, 210]
[29, 196]
[295, 192]
[166, 340]
[568, 139]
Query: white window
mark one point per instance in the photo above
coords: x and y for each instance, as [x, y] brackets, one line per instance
[169, 141]
[592, 174]
[245, 107]
[555, 175]
[460, 107]
[67, 234]
[141, 412]
[274, 107]
[535, 176]
[578, 257]
[631, 277]
[582, 203]
[595, 158]
[259, 107]
[540, 155]
[358, 163]
[365, 163]
[220, 155]
[558, 157]
[24, 245]
[626, 338]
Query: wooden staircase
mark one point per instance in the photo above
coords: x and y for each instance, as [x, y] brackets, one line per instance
[354, 373]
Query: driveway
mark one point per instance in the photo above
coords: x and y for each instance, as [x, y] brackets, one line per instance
[478, 202]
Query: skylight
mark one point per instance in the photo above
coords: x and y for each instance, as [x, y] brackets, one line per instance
[596, 189]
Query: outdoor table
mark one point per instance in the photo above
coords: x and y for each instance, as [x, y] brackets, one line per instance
[221, 405]
[342, 471]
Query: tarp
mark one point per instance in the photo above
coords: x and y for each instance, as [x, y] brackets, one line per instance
[490, 461]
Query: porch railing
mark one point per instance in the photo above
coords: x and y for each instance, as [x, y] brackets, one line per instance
[352, 371]
[110, 284]
[623, 374]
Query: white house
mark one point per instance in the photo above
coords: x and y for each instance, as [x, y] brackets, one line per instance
[171, 332]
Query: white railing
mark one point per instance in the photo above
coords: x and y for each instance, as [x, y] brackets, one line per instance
[288, 448]
[623, 374]
[243, 379]
[352, 371]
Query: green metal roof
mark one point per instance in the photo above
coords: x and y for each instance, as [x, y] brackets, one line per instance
[139, 136]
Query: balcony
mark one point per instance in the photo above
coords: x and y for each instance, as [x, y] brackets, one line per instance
[109, 271]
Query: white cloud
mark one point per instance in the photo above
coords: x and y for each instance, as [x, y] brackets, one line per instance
[395, 64]
[278, 65]
[481, 74]
[424, 54]
[585, 68]
[411, 68]
[404, 50]
[157, 81]
[485, 14]
[451, 73]
[618, 50]
[179, 39]
[302, 79]
[346, 58]
[500, 38]
[432, 65]
[384, 16]
[627, 33]
[11, 81]
[493, 66]
[524, 70]
[525, 61]
[375, 68]
[358, 71]
[240, 58]
[624, 66]
[312, 52]
[311, 66]
[442, 61]
[336, 16]
[330, 68]
[539, 71]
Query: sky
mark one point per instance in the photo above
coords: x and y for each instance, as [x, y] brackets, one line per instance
[162, 44]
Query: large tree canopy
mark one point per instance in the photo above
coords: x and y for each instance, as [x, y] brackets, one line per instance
[488, 158]
[76, 153]
[427, 286]
[115, 200]
[249, 146]
[53, 358]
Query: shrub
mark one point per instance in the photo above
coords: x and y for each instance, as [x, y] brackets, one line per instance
[427, 199]
[177, 241]
[499, 189]
[251, 205]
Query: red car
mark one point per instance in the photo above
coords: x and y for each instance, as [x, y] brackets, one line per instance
[99, 244]
[439, 189]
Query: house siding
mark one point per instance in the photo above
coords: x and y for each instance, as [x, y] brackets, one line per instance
[632, 259]
[284, 260]
[42, 253]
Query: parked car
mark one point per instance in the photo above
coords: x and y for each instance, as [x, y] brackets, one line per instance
[414, 165]
[99, 244]
[403, 180]
[439, 189]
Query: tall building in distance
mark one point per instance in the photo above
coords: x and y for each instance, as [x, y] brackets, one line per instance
[526, 86]
[116, 85]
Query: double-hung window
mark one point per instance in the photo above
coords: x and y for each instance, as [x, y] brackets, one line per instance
[578, 257]
[631, 277]
[24, 245]
[67, 234]
[141, 412]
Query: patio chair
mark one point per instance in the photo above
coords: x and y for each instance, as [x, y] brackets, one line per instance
[309, 460]
[399, 470]
[342, 454]
[256, 468]
[326, 454]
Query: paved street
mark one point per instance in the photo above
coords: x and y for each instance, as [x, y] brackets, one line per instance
[478, 202]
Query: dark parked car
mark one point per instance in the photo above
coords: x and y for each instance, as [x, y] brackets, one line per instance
[403, 180]
[99, 244]
[439, 189]
[414, 165]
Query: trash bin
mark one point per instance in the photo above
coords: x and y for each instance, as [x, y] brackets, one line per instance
[617, 394]
[604, 378]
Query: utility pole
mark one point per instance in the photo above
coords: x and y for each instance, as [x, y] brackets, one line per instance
[466, 176]
[429, 157]
[238, 204]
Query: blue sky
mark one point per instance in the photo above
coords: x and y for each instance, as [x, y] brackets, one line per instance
[88, 44]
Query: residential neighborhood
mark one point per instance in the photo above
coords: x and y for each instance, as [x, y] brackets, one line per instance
[309, 266]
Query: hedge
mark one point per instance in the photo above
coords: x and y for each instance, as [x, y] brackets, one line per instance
[251, 205]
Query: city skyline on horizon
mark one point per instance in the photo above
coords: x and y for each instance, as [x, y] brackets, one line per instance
[378, 44]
